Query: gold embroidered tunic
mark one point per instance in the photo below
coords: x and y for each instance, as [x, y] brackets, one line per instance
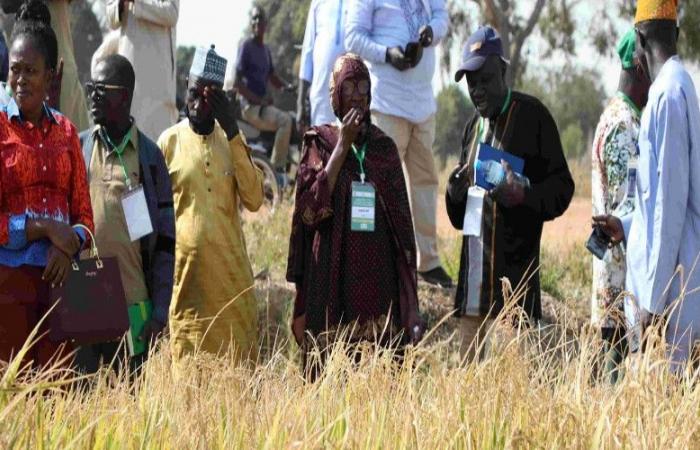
[213, 306]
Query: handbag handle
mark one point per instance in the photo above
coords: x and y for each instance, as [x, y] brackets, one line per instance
[93, 247]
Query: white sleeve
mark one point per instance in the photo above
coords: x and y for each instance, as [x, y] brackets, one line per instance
[160, 12]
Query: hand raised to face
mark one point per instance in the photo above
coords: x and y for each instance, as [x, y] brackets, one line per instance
[223, 111]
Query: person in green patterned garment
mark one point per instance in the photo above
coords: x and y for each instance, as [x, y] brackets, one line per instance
[615, 156]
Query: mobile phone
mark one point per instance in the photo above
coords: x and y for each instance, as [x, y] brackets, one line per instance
[411, 53]
[598, 242]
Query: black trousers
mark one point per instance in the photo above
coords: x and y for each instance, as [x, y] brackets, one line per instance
[90, 358]
[614, 352]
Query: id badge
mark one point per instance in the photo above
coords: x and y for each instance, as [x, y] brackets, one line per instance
[362, 207]
[138, 221]
[632, 175]
[474, 211]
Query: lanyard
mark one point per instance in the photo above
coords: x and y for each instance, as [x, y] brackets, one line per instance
[506, 103]
[360, 155]
[629, 102]
[119, 150]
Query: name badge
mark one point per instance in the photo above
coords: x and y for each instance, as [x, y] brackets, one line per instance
[362, 207]
[138, 221]
[474, 211]
[632, 175]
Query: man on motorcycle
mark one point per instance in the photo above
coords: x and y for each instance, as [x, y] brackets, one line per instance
[254, 69]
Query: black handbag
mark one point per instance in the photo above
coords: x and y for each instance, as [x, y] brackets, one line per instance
[90, 307]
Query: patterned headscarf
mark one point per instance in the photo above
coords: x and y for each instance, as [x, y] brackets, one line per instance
[346, 66]
[656, 10]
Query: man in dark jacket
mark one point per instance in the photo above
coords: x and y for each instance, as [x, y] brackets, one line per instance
[504, 226]
[133, 204]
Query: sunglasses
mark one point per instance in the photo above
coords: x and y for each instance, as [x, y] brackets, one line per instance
[101, 89]
[349, 87]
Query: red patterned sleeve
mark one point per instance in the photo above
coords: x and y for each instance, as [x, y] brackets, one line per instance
[79, 199]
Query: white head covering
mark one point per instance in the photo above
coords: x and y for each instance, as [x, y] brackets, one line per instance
[208, 65]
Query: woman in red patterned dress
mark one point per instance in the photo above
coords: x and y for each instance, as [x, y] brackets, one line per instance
[347, 277]
[43, 193]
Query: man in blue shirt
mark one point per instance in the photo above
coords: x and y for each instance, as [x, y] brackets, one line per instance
[397, 39]
[663, 233]
[323, 44]
[254, 69]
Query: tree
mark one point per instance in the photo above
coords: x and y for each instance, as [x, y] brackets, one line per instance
[573, 142]
[690, 30]
[575, 98]
[514, 27]
[453, 112]
[604, 32]
[553, 21]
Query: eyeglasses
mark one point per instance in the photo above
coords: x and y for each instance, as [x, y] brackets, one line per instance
[350, 87]
[101, 89]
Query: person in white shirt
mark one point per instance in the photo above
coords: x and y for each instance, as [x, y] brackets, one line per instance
[397, 39]
[323, 44]
[147, 40]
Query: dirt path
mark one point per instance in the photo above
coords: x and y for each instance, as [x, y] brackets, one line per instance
[570, 229]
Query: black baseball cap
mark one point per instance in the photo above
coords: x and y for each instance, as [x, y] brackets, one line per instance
[482, 43]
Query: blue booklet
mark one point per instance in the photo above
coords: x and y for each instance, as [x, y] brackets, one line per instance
[488, 153]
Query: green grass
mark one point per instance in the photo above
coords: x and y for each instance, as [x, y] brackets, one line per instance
[566, 275]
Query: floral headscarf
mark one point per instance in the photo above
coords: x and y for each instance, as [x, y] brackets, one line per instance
[346, 66]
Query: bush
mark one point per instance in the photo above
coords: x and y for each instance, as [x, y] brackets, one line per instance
[453, 111]
[573, 142]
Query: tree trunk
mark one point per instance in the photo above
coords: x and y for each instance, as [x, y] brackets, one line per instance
[500, 16]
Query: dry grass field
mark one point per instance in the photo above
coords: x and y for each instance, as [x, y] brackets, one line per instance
[534, 388]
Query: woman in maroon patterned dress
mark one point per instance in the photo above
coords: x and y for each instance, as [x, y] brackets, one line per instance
[362, 282]
[43, 192]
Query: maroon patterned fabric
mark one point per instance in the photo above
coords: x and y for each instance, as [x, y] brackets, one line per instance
[343, 276]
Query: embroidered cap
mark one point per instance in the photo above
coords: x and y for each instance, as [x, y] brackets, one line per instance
[208, 65]
[656, 10]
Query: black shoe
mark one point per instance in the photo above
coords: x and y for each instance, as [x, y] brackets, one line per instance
[437, 276]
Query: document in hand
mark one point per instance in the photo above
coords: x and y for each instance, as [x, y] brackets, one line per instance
[488, 153]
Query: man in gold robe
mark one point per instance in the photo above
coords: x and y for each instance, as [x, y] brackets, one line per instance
[213, 308]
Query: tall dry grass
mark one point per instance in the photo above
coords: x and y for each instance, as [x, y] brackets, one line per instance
[534, 388]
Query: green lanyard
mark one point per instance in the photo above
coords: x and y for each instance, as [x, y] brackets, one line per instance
[506, 104]
[360, 155]
[629, 101]
[119, 150]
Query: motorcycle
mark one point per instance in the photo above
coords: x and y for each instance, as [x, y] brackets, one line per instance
[261, 143]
